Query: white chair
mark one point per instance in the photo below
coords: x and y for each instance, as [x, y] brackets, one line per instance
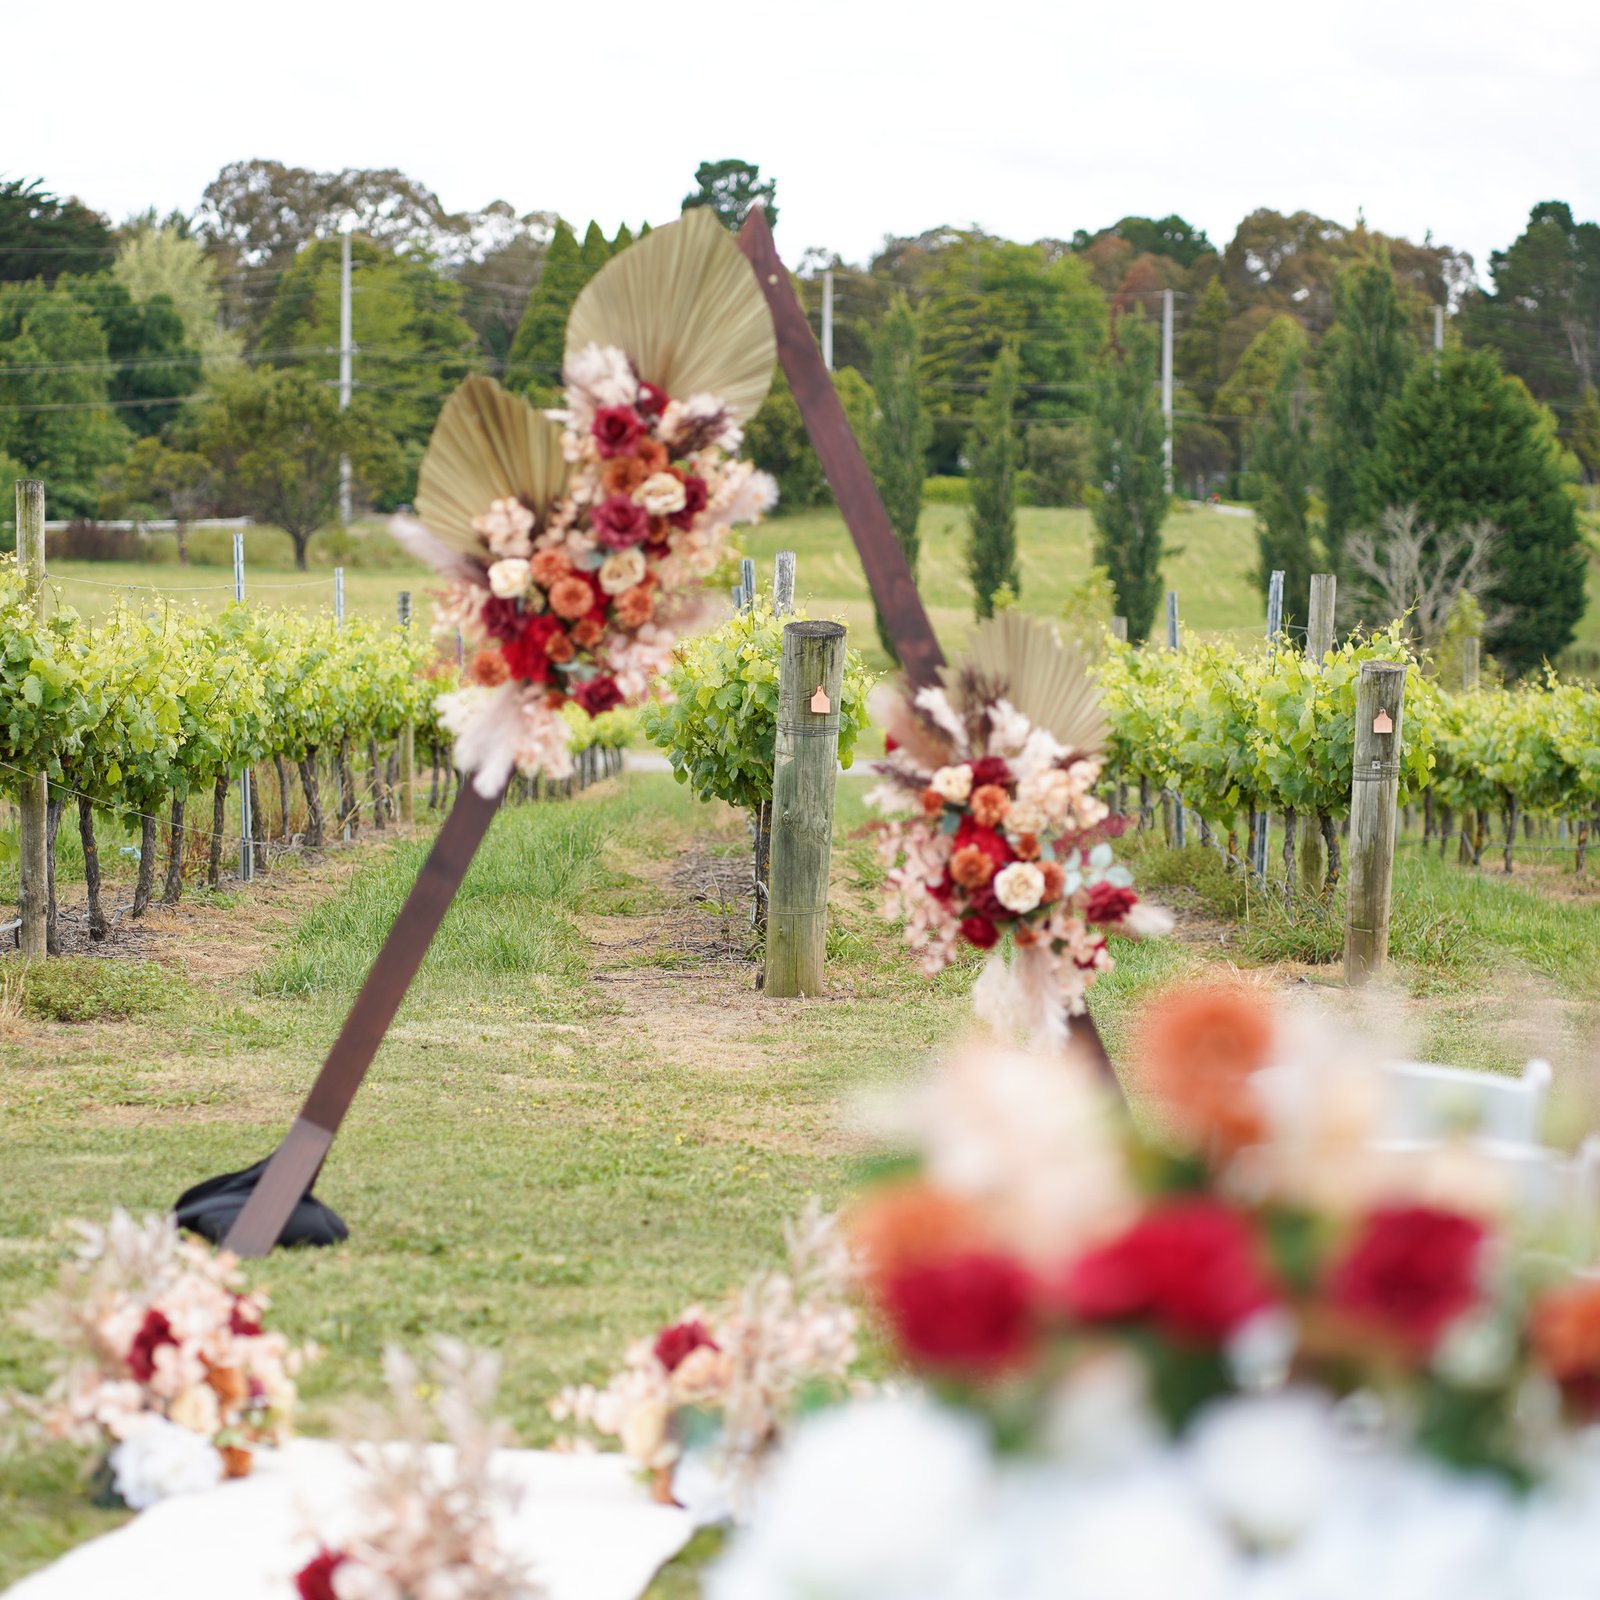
[1428, 1102]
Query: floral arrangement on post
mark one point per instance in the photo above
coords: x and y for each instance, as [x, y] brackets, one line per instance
[162, 1361]
[427, 1529]
[1269, 1357]
[1009, 837]
[573, 542]
[722, 1388]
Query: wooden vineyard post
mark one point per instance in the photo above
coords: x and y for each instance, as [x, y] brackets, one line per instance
[1119, 629]
[783, 582]
[1471, 823]
[408, 734]
[1375, 781]
[805, 764]
[33, 798]
[1178, 838]
[1319, 641]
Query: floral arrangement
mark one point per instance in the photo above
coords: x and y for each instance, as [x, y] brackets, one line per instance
[573, 543]
[427, 1529]
[722, 1389]
[161, 1360]
[1008, 841]
[1262, 1355]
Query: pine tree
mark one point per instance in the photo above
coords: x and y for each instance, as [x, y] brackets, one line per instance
[1281, 458]
[534, 363]
[1131, 503]
[992, 547]
[1366, 355]
[1464, 442]
[595, 252]
[623, 239]
[902, 431]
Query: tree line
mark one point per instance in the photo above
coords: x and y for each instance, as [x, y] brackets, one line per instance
[168, 365]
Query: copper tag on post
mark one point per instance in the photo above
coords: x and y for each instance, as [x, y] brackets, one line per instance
[1383, 722]
[820, 702]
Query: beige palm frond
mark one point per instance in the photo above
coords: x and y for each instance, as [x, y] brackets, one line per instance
[685, 305]
[487, 445]
[1023, 659]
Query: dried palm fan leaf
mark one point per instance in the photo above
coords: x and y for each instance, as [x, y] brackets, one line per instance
[1022, 659]
[685, 305]
[487, 445]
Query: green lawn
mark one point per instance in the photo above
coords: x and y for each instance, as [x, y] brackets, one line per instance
[580, 1122]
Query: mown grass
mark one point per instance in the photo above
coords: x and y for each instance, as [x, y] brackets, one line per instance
[546, 1161]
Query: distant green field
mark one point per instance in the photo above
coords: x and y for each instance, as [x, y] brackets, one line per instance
[1212, 554]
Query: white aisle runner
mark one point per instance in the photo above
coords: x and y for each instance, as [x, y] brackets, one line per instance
[586, 1525]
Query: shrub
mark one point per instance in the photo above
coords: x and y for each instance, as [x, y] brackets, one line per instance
[95, 541]
[1059, 464]
[86, 988]
[946, 492]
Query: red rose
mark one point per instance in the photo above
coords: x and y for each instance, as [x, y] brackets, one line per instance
[890, 744]
[597, 695]
[242, 1323]
[1191, 1266]
[1109, 904]
[988, 840]
[673, 1345]
[1412, 1269]
[970, 1313]
[618, 523]
[154, 1332]
[694, 501]
[651, 400]
[944, 889]
[616, 430]
[527, 654]
[991, 769]
[502, 619]
[979, 931]
[984, 902]
[314, 1581]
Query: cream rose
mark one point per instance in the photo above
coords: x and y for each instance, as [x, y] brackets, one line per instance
[954, 784]
[509, 579]
[660, 494]
[1019, 887]
[622, 570]
[196, 1409]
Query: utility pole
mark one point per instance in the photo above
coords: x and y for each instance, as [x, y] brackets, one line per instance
[247, 853]
[1166, 385]
[344, 366]
[1172, 644]
[827, 319]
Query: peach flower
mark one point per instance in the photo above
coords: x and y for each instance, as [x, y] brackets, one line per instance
[635, 607]
[559, 647]
[989, 804]
[571, 597]
[549, 566]
[587, 632]
[489, 668]
[971, 867]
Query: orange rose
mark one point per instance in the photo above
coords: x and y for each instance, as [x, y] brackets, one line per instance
[971, 867]
[1022, 934]
[1200, 1046]
[989, 804]
[571, 597]
[1026, 848]
[652, 455]
[634, 607]
[489, 668]
[586, 632]
[624, 475]
[1564, 1329]
[660, 531]
[932, 802]
[549, 566]
[228, 1384]
[904, 1224]
[559, 647]
[1055, 879]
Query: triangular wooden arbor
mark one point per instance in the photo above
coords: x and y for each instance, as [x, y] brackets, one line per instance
[294, 1165]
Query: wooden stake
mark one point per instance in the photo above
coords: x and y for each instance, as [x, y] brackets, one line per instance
[783, 582]
[33, 793]
[1319, 641]
[408, 734]
[1375, 781]
[805, 764]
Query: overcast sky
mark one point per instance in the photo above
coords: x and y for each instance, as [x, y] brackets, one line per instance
[1027, 117]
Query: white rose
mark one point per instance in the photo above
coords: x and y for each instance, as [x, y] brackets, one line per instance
[1019, 887]
[660, 494]
[161, 1459]
[622, 570]
[510, 578]
[954, 784]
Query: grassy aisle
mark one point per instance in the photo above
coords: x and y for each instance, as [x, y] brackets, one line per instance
[586, 1116]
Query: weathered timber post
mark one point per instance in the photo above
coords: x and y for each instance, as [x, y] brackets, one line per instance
[1119, 629]
[805, 763]
[1375, 781]
[783, 582]
[408, 734]
[1319, 641]
[33, 792]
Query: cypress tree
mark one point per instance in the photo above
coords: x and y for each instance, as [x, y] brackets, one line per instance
[534, 363]
[992, 545]
[1463, 441]
[1131, 502]
[623, 239]
[595, 252]
[902, 431]
[1281, 458]
[1366, 355]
